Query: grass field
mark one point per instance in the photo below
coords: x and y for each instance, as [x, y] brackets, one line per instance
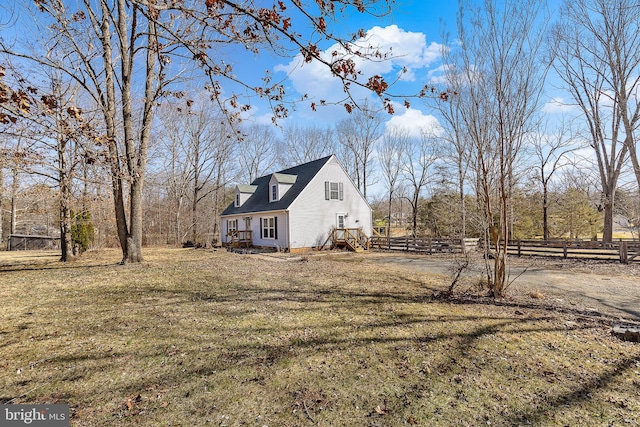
[195, 337]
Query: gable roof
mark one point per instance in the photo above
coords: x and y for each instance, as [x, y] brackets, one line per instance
[259, 200]
[244, 188]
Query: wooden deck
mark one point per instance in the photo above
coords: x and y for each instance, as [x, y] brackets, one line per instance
[240, 238]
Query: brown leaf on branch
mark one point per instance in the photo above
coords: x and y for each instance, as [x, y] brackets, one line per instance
[75, 112]
[322, 25]
[377, 84]
[310, 52]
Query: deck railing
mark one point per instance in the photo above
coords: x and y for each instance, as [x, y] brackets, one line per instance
[238, 238]
[352, 238]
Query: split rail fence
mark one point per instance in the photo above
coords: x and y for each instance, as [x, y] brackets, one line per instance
[622, 251]
[423, 245]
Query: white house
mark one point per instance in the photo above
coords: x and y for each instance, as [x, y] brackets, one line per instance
[296, 208]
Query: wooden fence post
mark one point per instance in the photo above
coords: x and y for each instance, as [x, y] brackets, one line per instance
[519, 248]
[624, 256]
[564, 249]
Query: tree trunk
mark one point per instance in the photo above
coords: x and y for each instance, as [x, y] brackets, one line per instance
[14, 207]
[414, 207]
[196, 195]
[389, 207]
[634, 158]
[463, 205]
[133, 252]
[194, 216]
[545, 213]
[607, 206]
[66, 239]
[215, 239]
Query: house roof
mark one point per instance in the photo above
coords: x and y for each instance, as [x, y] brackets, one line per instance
[259, 200]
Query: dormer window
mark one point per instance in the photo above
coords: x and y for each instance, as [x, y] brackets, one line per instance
[279, 184]
[243, 193]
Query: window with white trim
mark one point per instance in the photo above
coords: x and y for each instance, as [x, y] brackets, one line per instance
[333, 190]
[232, 225]
[270, 228]
[237, 200]
[274, 192]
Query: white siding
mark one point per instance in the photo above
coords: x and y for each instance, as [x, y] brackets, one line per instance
[255, 226]
[282, 230]
[312, 217]
[243, 197]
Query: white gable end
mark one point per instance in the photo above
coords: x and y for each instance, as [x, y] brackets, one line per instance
[329, 200]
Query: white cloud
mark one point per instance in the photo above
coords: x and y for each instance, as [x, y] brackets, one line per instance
[558, 105]
[408, 50]
[415, 123]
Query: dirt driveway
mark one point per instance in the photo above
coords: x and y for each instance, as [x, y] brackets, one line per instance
[611, 289]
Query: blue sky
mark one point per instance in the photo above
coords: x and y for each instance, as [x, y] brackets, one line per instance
[413, 31]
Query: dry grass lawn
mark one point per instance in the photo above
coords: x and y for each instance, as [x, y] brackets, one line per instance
[195, 337]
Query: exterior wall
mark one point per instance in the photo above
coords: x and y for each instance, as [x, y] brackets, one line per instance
[282, 230]
[313, 217]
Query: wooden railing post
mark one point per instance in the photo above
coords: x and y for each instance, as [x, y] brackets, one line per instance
[564, 249]
[519, 248]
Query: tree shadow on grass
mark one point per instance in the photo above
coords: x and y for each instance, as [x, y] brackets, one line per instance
[583, 393]
[56, 265]
[389, 322]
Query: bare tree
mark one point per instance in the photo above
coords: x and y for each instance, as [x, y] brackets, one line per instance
[359, 134]
[597, 49]
[502, 73]
[419, 157]
[172, 171]
[391, 156]
[49, 120]
[304, 144]
[257, 154]
[196, 147]
[550, 150]
[127, 53]
[458, 142]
